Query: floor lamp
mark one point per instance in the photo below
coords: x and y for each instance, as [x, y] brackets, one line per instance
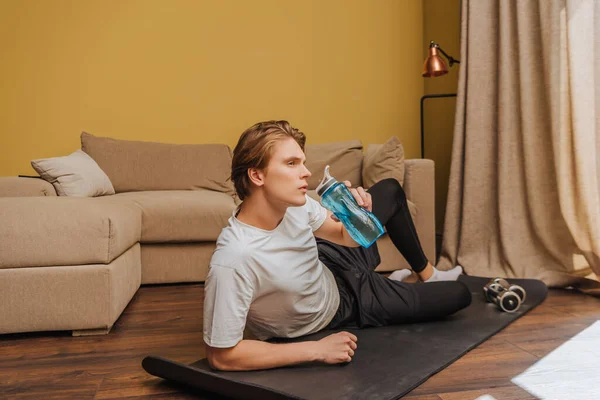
[434, 66]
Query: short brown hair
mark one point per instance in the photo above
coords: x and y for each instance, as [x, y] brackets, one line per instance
[254, 150]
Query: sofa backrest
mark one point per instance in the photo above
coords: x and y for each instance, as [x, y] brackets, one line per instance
[344, 160]
[136, 165]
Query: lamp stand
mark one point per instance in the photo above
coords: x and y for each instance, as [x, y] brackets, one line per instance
[429, 96]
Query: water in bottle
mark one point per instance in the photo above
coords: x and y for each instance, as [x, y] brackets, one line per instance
[362, 225]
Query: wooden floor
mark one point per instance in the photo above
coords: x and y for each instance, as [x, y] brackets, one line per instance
[166, 321]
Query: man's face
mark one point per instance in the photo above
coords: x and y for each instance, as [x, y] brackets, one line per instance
[285, 175]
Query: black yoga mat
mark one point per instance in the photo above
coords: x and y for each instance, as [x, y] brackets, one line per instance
[389, 362]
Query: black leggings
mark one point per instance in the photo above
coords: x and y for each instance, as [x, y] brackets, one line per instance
[391, 208]
[370, 299]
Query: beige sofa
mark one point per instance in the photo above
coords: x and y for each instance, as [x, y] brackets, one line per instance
[74, 263]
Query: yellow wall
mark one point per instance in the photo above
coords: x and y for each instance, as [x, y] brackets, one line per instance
[202, 71]
[441, 23]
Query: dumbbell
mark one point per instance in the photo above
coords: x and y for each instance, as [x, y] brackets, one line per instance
[506, 300]
[511, 287]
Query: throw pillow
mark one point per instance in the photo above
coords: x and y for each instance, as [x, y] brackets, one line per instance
[74, 175]
[344, 160]
[383, 161]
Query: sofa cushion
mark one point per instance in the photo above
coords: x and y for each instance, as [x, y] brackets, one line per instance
[76, 175]
[383, 161]
[179, 215]
[137, 166]
[52, 231]
[72, 297]
[343, 158]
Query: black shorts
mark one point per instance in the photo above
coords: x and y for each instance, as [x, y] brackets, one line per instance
[369, 299]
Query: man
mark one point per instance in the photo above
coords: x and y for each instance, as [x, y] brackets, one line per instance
[286, 267]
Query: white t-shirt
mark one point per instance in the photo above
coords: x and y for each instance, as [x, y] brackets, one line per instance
[273, 281]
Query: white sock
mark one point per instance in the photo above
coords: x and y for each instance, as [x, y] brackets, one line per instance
[400, 275]
[450, 275]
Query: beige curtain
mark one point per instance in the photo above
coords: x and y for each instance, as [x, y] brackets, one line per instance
[523, 197]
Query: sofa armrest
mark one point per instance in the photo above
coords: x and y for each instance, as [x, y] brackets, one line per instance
[419, 186]
[14, 186]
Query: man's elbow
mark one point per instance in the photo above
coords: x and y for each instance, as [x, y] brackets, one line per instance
[352, 243]
[347, 239]
[218, 359]
[349, 242]
[216, 363]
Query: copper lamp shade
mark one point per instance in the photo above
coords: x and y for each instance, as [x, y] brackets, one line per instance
[434, 64]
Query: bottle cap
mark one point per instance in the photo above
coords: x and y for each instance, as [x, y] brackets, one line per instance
[326, 182]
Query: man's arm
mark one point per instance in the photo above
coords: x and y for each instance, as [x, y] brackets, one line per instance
[250, 355]
[334, 231]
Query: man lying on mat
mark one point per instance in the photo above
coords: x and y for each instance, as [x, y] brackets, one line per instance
[286, 268]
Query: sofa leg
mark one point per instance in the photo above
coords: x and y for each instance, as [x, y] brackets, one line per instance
[92, 332]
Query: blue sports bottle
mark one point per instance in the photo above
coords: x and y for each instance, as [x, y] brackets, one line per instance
[362, 225]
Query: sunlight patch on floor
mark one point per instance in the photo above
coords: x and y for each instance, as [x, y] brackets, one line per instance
[569, 372]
